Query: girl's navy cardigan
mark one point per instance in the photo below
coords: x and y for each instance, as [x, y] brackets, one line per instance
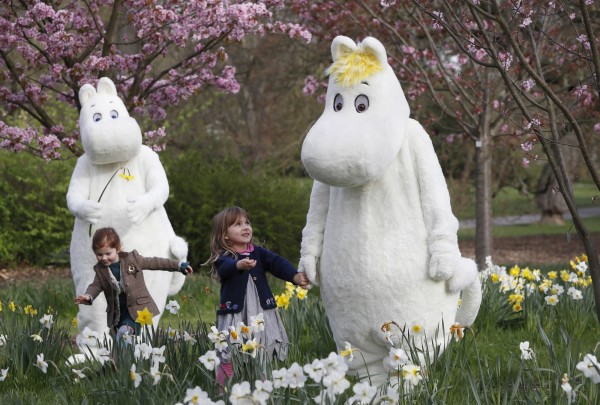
[234, 281]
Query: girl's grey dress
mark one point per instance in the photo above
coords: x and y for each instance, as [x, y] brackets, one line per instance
[273, 338]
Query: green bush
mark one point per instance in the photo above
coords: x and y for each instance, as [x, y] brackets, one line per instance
[35, 224]
[277, 205]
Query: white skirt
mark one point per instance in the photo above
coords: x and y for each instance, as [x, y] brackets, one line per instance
[273, 338]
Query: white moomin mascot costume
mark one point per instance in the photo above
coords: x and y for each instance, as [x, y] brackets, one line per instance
[380, 237]
[119, 183]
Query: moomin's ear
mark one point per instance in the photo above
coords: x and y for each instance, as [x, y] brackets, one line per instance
[106, 86]
[342, 46]
[373, 46]
[86, 93]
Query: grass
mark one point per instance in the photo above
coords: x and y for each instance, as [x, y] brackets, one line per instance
[484, 367]
[510, 201]
[534, 229]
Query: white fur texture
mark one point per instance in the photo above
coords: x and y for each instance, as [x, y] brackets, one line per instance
[112, 142]
[380, 237]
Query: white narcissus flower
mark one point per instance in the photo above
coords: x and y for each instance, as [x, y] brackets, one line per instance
[398, 357]
[2, 340]
[568, 389]
[196, 396]
[363, 393]
[173, 333]
[41, 364]
[336, 384]
[135, 377]
[210, 360]
[262, 391]
[173, 307]
[235, 335]
[37, 338]
[158, 355]
[219, 338]
[526, 352]
[188, 338]
[257, 323]
[574, 293]
[315, 370]
[47, 321]
[279, 378]
[391, 397]
[155, 373]
[250, 347]
[551, 300]
[590, 368]
[417, 328]
[411, 375]
[295, 377]
[143, 351]
[3, 374]
[240, 393]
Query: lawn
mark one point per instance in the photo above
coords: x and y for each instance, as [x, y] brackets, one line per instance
[488, 365]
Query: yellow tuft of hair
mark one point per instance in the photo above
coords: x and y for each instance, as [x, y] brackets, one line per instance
[353, 68]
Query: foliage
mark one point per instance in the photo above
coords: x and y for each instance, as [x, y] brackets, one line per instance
[35, 222]
[158, 53]
[541, 355]
[277, 205]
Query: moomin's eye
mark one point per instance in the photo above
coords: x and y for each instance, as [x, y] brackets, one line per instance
[114, 114]
[97, 117]
[361, 103]
[338, 102]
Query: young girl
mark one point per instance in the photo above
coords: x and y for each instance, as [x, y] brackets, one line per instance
[241, 268]
[119, 275]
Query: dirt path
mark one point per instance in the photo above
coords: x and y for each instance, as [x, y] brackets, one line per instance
[530, 250]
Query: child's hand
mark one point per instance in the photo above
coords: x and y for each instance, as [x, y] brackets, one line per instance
[302, 280]
[185, 268]
[82, 299]
[245, 264]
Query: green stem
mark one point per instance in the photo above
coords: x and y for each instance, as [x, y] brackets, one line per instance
[102, 193]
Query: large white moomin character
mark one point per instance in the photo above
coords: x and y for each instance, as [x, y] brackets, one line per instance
[119, 183]
[380, 237]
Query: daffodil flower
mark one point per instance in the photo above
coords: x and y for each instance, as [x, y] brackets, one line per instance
[526, 352]
[41, 364]
[210, 360]
[250, 347]
[196, 396]
[135, 377]
[457, 331]
[257, 323]
[301, 293]
[3, 374]
[411, 375]
[348, 351]
[188, 338]
[103, 355]
[283, 301]
[398, 357]
[2, 340]
[158, 355]
[78, 373]
[589, 366]
[37, 338]
[12, 306]
[47, 321]
[551, 300]
[144, 317]
[173, 307]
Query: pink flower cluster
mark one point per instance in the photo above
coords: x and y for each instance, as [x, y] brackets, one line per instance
[163, 53]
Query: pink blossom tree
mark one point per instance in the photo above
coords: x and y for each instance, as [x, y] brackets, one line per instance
[158, 53]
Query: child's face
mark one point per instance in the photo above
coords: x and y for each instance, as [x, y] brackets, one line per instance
[107, 255]
[239, 234]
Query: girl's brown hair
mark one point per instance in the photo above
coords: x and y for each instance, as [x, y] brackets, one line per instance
[106, 237]
[218, 244]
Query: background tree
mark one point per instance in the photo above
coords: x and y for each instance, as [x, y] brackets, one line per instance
[158, 53]
[547, 54]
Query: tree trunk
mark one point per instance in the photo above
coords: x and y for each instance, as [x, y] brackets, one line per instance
[483, 189]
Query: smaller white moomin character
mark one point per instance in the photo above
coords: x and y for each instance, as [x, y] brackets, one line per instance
[118, 183]
[380, 237]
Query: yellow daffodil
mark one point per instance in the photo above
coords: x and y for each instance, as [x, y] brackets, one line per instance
[552, 275]
[144, 317]
[564, 275]
[301, 293]
[517, 307]
[12, 306]
[515, 298]
[0, 306]
[348, 351]
[283, 301]
[74, 322]
[495, 278]
[289, 288]
[250, 347]
[515, 271]
[527, 274]
[573, 265]
[126, 175]
[29, 310]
